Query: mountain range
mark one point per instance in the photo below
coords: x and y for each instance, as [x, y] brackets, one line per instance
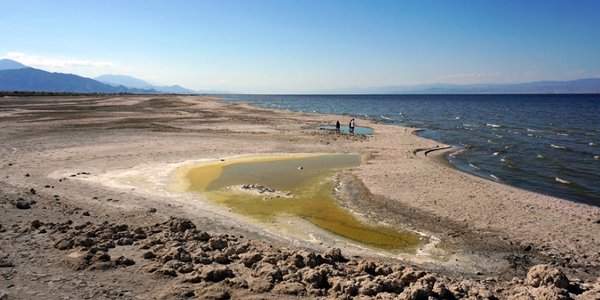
[579, 86]
[132, 82]
[15, 76]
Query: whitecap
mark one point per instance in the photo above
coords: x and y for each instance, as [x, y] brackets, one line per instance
[562, 180]
[494, 125]
[505, 159]
[474, 166]
[557, 146]
[458, 118]
[496, 153]
[593, 144]
[385, 118]
[541, 156]
[563, 134]
[597, 157]
[495, 177]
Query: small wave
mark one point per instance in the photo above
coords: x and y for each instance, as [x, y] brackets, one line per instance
[469, 125]
[493, 142]
[498, 135]
[457, 153]
[593, 144]
[541, 156]
[562, 180]
[474, 166]
[495, 177]
[532, 130]
[458, 118]
[597, 157]
[494, 125]
[534, 135]
[557, 146]
[563, 134]
[385, 118]
[590, 134]
[505, 159]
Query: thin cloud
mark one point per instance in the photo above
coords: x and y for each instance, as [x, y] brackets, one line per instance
[38, 61]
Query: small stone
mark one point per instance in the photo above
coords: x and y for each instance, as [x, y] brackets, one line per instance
[216, 273]
[23, 205]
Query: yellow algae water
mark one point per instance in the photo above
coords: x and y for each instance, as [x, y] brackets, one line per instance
[304, 187]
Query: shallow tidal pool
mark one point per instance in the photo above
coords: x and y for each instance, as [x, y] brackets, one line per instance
[269, 188]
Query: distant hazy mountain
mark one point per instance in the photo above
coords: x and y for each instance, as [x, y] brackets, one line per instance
[132, 82]
[123, 80]
[8, 64]
[589, 85]
[34, 80]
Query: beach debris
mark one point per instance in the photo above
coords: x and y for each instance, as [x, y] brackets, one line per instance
[262, 190]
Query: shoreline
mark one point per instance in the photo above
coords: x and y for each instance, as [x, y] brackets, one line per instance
[114, 158]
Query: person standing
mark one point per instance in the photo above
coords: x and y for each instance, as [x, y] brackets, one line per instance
[352, 125]
[337, 126]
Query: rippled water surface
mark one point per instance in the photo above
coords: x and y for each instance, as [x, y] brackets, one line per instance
[544, 143]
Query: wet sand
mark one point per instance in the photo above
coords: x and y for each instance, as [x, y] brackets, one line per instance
[118, 160]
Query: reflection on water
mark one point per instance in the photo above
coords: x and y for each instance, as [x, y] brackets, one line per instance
[304, 186]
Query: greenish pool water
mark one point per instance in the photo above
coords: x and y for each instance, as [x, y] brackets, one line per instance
[309, 180]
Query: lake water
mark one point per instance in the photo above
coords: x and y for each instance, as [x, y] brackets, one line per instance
[544, 143]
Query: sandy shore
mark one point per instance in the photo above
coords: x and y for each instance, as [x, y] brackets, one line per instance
[72, 164]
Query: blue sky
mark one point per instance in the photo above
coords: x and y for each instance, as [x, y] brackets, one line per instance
[291, 46]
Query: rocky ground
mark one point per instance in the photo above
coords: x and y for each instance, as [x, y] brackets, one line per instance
[87, 212]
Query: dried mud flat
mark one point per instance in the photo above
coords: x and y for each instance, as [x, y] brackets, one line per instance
[91, 208]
